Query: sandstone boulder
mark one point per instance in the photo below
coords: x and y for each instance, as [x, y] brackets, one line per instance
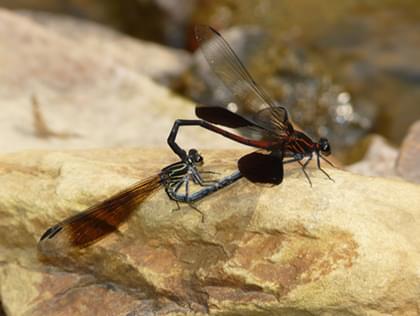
[408, 163]
[161, 63]
[378, 160]
[345, 248]
[92, 87]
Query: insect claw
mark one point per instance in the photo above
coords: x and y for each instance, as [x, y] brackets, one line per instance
[178, 208]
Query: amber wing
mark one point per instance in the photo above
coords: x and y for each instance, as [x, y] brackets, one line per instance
[101, 219]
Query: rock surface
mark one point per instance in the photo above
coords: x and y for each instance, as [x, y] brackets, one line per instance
[90, 92]
[379, 159]
[345, 248]
[162, 64]
[408, 164]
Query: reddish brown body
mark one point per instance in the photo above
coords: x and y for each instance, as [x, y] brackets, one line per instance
[256, 115]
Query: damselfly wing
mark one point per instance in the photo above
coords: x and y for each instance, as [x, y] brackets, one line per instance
[103, 218]
[267, 122]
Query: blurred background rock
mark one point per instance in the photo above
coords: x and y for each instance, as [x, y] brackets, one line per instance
[345, 69]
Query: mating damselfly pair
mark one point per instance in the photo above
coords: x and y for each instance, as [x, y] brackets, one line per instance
[256, 112]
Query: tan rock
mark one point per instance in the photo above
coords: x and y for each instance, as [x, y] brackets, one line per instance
[89, 93]
[408, 164]
[345, 248]
[379, 159]
[158, 62]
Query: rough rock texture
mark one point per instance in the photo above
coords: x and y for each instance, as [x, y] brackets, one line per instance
[408, 164]
[346, 248]
[90, 92]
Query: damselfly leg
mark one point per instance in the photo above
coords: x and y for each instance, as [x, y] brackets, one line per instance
[257, 114]
[173, 189]
[318, 163]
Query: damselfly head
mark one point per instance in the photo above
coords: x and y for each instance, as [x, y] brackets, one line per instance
[324, 146]
[195, 157]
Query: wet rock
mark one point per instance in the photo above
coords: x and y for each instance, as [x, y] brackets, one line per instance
[86, 90]
[408, 163]
[341, 248]
[379, 159]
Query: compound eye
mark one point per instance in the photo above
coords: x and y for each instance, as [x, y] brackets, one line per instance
[324, 144]
[193, 152]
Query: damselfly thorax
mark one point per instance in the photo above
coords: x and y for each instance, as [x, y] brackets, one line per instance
[103, 218]
[256, 114]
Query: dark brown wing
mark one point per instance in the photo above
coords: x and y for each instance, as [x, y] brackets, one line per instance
[249, 97]
[101, 219]
[222, 116]
[261, 168]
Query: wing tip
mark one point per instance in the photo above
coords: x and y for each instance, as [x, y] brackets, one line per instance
[51, 232]
[201, 29]
[214, 30]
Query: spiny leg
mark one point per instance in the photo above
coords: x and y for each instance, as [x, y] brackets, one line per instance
[176, 187]
[329, 162]
[187, 193]
[191, 204]
[209, 180]
[298, 159]
[294, 159]
[187, 186]
[195, 208]
[319, 167]
[198, 179]
[304, 165]
[177, 207]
